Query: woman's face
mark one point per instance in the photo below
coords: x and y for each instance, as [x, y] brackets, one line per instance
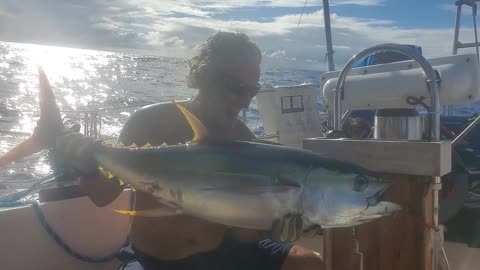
[234, 89]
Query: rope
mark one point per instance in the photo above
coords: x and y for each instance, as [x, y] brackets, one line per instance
[58, 239]
[301, 15]
[48, 228]
[22, 194]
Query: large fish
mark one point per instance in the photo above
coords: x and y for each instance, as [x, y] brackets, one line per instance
[260, 186]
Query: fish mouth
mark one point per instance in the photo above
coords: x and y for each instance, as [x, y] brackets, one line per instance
[381, 209]
[377, 208]
[374, 199]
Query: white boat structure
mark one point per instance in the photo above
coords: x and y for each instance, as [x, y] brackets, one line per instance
[70, 232]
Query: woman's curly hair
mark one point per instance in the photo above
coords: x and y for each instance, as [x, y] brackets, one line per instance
[219, 50]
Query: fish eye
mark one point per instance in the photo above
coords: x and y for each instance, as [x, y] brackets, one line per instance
[360, 183]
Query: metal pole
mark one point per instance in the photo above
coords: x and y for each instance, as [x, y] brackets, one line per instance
[328, 35]
[466, 131]
[474, 15]
[328, 239]
[457, 28]
[449, 108]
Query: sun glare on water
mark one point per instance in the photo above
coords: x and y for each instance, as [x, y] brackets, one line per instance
[75, 76]
[71, 72]
[60, 63]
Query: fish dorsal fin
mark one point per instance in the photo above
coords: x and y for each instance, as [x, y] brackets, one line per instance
[199, 130]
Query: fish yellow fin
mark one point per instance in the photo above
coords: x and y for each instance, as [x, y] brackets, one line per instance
[164, 144]
[126, 212]
[121, 182]
[148, 145]
[108, 143]
[155, 212]
[134, 145]
[105, 172]
[199, 130]
[119, 144]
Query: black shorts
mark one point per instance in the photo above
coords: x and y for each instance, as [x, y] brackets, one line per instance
[230, 255]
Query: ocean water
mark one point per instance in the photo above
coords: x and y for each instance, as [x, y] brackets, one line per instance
[115, 84]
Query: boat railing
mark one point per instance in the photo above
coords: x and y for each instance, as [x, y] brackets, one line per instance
[432, 80]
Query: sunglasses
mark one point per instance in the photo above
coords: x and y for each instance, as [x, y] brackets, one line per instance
[237, 88]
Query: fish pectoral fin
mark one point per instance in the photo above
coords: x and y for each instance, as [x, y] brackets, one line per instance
[154, 212]
[288, 228]
[199, 130]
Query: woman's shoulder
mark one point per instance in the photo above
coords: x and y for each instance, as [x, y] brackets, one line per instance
[155, 120]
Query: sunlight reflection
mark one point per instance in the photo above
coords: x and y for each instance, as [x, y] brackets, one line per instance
[42, 168]
[60, 63]
[71, 72]
[26, 123]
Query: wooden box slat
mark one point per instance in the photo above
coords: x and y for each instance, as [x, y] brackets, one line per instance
[397, 157]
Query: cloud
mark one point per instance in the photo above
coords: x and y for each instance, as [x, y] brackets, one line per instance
[177, 28]
[282, 35]
[224, 5]
[358, 2]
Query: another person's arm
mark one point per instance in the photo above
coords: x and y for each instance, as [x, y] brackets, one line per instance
[21, 150]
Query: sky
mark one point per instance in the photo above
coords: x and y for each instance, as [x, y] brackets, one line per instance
[176, 28]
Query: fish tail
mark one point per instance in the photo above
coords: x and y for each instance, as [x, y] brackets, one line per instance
[51, 133]
[48, 126]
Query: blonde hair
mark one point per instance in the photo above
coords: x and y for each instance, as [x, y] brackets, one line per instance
[219, 50]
